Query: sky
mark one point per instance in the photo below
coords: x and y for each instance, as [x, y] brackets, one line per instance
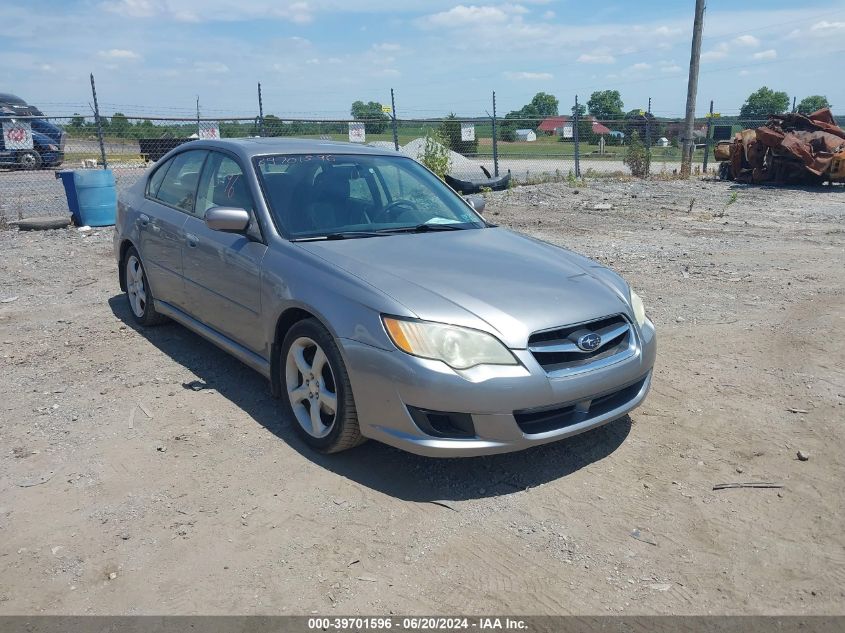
[315, 57]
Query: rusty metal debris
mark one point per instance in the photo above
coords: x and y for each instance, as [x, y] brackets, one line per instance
[789, 149]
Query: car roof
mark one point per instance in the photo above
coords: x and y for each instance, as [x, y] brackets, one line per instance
[250, 147]
[6, 97]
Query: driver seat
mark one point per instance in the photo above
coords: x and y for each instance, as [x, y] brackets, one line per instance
[329, 203]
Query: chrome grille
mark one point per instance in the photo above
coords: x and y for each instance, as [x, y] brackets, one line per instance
[567, 350]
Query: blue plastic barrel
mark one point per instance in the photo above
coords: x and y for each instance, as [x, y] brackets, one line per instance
[91, 196]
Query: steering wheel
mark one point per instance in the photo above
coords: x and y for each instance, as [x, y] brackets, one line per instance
[392, 211]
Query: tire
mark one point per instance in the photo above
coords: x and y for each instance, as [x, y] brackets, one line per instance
[307, 388]
[138, 293]
[29, 160]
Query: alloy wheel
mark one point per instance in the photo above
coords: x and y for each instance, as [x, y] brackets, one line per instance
[311, 387]
[135, 289]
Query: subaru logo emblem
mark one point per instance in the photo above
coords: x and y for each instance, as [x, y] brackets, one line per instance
[589, 342]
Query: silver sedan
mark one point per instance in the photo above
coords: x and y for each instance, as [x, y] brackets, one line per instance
[377, 301]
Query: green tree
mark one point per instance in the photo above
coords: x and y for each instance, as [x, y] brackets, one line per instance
[120, 125]
[810, 104]
[642, 122]
[450, 130]
[606, 105]
[541, 105]
[764, 102]
[77, 121]
[372, 114]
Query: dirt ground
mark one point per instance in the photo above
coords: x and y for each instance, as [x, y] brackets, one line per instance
[122, 491]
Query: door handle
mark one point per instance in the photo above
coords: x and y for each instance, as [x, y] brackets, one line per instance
[145, 219]
[191, 240]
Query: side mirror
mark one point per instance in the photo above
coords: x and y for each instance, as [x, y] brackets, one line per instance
[476, 202]
[227, 219]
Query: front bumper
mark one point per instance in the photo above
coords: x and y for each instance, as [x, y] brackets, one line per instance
[385, 383]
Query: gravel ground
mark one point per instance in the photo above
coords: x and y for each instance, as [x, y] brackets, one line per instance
[124, 491]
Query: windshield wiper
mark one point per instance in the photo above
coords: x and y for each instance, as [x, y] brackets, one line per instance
[341, 235]
[424, 228]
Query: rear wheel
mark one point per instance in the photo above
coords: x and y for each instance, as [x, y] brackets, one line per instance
[29, 159]
[317, 393]
[138, 293]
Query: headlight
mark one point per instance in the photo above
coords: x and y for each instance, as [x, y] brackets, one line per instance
[639, 308]
[458, 347]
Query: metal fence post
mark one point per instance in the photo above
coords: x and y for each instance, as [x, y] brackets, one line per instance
[495, 140]
[707, 138]
[575, 135]
[99, 124]
[395, 124]
[260, 112]
[648, 139]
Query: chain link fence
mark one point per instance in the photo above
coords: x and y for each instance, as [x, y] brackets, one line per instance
[532, 150]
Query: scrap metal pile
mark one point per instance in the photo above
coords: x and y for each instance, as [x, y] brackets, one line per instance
[789, 149]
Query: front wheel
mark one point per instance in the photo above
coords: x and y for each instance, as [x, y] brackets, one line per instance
[317, 393]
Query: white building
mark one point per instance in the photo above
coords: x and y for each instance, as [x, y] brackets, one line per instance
[526, 135]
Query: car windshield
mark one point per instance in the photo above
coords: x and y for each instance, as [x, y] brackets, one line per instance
[335, 196]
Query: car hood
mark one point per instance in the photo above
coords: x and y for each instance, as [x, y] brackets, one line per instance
[490, 279]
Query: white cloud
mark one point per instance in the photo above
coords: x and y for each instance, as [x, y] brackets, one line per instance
[666, 31]
[641, 66]
[462, 15]
[747, 40]
[134, 8]
[670, 69]
[211, 67]
[549, 15]
[828, 26]
[118, 53]
[767, 54]
[708, 56]
[387, 47]
[530, 76]
[597, 58]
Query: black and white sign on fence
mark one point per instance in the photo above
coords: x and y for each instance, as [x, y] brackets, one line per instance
[467, 131]
[17, 135]
[209, 130]
[357, 132]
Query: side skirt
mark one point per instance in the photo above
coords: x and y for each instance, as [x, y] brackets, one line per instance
[247, 357]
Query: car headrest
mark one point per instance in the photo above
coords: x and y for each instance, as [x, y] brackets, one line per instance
[333, 184]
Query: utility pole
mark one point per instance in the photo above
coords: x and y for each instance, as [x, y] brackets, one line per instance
[793, 104]
[198, 117]
[692, 89]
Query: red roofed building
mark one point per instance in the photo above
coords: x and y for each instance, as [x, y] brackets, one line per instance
[562, 125]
